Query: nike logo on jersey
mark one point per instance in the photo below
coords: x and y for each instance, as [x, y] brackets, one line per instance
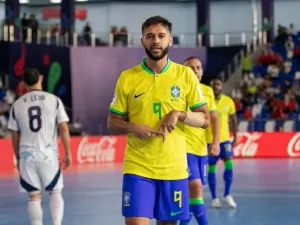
[136, 96]
[176, 213]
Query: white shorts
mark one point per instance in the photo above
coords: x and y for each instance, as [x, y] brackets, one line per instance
[38, 175]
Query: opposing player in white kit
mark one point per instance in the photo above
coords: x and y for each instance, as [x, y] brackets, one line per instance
[34, 119]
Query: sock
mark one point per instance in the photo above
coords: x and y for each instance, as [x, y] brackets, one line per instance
[56, 207]
[228, 176]
[212, 180]
[35, 212]
[198, 208]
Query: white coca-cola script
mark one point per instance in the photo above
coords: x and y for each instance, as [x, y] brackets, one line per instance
[102, 150]
[247, 145]
[293, 148]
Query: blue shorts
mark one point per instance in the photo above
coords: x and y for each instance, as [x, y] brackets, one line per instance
[159, 199]
[197, 167]
[226, 152]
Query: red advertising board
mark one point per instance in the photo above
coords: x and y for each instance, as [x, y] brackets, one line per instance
[103, 149]
[54, 13]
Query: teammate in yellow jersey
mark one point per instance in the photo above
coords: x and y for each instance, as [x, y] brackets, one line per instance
[150, 105]
[226, 111]
[197, 150]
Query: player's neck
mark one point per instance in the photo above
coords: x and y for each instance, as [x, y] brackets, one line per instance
[35, 88]
[218, 96]
[157, 66]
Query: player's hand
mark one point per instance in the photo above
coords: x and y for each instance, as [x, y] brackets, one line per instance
[67, 162]
[144, 132]
[214, 149]
[169, 123]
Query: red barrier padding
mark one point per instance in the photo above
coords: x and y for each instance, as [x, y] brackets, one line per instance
[103, 149]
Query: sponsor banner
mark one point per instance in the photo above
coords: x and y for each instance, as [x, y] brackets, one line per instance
[85, 150]
[110, 149]
[54, 13]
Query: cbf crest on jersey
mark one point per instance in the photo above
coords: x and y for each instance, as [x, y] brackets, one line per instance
[126, 199]
[175, 92]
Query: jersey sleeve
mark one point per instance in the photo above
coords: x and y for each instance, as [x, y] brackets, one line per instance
[232, 110]
[119, 102]
[12, 122]
[62, 116]
[211, 101]
[195, 97]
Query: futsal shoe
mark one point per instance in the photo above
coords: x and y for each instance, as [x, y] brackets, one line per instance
[230, 202]
[216, 203]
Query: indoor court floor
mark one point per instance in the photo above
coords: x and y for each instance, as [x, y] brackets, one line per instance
[267, 193]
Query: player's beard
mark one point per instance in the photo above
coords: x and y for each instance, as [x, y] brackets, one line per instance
[159, 57]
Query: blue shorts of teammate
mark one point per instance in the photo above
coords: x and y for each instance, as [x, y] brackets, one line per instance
[226, 152]
[197, 167]
[159, 199]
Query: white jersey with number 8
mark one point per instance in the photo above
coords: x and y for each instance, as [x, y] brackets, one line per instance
[36, 116]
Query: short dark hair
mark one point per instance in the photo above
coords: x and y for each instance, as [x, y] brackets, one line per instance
[190, 58]
[216, 79]
[157, 20]
[31, 76]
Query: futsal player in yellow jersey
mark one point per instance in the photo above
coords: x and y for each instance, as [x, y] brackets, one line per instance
[154, 97]
[226, 111]
[197, 153]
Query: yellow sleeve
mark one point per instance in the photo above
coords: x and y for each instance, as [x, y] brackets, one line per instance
[211, 101]
[231, 107]
[194, 96]
[119, 102]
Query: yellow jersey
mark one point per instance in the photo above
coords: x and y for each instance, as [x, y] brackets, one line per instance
[195, 137]
[225, 108]
[146, 98]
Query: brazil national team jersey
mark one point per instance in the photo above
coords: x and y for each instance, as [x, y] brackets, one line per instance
[225, 108]
[195, 137]
[147, 98]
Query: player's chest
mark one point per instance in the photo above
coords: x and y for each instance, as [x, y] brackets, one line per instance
[223, 108]
[161, 90]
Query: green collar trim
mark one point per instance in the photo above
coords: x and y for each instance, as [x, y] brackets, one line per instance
[148, 70]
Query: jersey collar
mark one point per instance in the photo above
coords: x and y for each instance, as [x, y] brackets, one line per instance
[221, 95]
[148, 70]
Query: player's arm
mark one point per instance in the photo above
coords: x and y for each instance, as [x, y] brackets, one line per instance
[214, 119]
[16, 144]
[199, 115]
[117, 124]
[117, 118]
[233, 121]
[14, 128]
[62, 121]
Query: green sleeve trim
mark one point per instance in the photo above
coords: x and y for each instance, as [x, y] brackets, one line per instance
[211, 111]
[196, 201]
[197, 105]
[117, 112]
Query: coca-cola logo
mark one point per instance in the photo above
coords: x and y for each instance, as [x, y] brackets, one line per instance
[247, 145]
[102, 150]
[293, 148]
